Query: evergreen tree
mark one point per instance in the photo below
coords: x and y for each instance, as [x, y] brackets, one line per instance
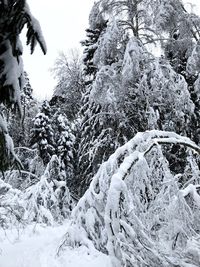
[99, 116]
[43, 137]
[27, 92]
[20, 127]
[97, 26]
[65, 148]
[46, 109]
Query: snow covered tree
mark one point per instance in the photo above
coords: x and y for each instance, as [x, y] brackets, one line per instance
[45, 108]
[67, 94]
[27, 92]
[65, 148]
[88, 129]
[110, 45]
[182, 29]
[46, 200]
[97, 27]
[14, 15]
[43, 137]
[134, 94]
[135, 209]
[99, 135]
[20, 126]
[136, 17]
[145, 90]
[157, 88]
[100, 116]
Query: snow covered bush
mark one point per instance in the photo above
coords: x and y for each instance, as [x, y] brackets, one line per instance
[44, 199]
[48, 201]
[32, 169]
[137, 211]
[11, 206]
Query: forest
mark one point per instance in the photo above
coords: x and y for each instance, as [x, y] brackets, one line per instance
[106, 172]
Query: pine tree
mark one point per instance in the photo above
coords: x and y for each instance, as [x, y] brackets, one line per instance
[27, 92]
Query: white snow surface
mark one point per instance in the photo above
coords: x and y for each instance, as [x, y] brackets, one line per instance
[36, 246]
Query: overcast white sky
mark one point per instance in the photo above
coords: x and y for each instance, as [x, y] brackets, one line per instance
[63, 24]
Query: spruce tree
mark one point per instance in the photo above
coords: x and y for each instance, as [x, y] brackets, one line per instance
[99, 116]
[65, 148]
[97, 27]
[42, 134]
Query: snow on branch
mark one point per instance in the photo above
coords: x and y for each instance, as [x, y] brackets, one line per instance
[47, 201]
[11, 206]
[11, 50]
[7, 155]
[192, 189]
[34, 33]
[134, 209]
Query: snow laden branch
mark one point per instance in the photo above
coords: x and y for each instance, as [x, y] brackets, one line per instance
[134, 209]
[46, 201]
[7, 155]
[11, 206]
[192, 189]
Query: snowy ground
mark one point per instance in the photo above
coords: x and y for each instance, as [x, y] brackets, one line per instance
[36, 247]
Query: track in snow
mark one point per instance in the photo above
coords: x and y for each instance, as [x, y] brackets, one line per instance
[36, 246]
